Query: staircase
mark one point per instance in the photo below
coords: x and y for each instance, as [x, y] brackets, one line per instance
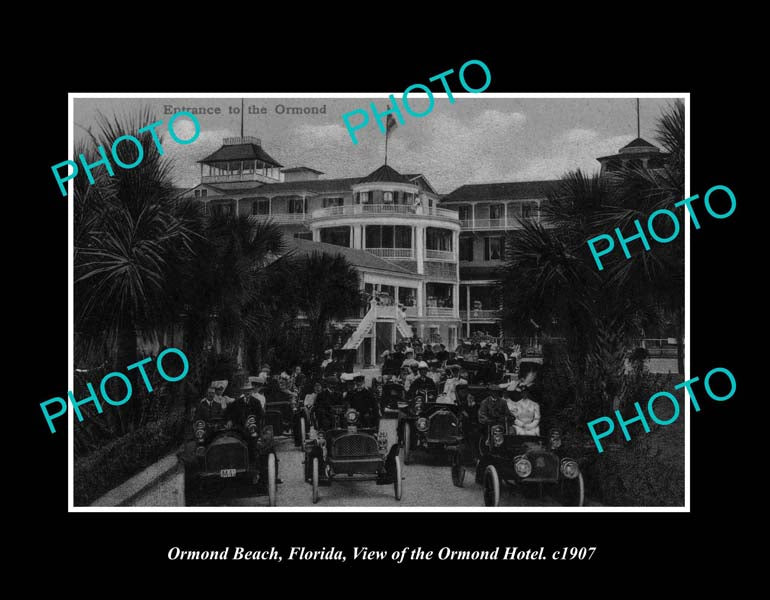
[363, 329]
[366, 324]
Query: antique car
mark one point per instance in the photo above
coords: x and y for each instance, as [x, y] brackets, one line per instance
[224, 454]
[359, 454]
[525, 462]
[431, 425]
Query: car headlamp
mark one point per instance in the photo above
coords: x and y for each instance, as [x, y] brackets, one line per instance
[569, 468]
[522, 466]
[200, 434]
[422, 424]
[497, 435]
[200, 424]
[351, 416]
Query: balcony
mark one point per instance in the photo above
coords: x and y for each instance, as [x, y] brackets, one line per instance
[443, 255]
[439, 311]
[237, 176]
[282, 218]
[350, 210]
[491, 224]
[480, 315]
[392, 253]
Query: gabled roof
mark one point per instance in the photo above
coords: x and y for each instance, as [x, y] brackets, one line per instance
[638, 143]
[514, 190]
[412, 176]
[385, 173]
[358, 258]
[241, 152]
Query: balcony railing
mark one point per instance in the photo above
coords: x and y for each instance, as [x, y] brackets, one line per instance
[484, 314]
[393, 253]
[383, 209]
[445, 255]
[435, 311]
[491, 224]
[238, 176]
[282, 217]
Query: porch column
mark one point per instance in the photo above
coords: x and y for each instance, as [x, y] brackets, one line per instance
[468, 310]
[420, 298]
[420, 249]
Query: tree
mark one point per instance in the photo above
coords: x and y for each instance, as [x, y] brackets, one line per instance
[326, 288]
[551, 278]
[637, 192]
[129, 239]
[227, 285]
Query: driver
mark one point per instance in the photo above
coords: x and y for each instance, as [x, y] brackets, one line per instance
[323, 406]
[362, 400]
[239, 410]
[493, 410]
[208, 409]
[423, 382]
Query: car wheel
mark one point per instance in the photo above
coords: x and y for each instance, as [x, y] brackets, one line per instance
[272, 488]
[458, 470]
[573, 491]
[407, 443]
[398, 483]
[491, 487]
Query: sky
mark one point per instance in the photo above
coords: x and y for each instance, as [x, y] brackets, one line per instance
[478, 139]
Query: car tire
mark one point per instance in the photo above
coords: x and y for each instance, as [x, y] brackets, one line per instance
[458, 470]
[398, 482]
[407, 443]
[491, 486]
[272, 487]
[315, 476]
[573, 491]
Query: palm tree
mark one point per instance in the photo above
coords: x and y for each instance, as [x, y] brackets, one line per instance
[129, 240]
[327, 289]
[637, 192]
[225, 287]
[550, 278]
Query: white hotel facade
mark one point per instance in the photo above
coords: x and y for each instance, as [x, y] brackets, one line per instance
[432, 261]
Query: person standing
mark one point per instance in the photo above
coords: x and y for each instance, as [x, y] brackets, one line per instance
[362, 400]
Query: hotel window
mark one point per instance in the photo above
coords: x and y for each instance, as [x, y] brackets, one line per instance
[362, 198]
[466, 249]
[295, 205]
[438, 239]
[197, 193]
[339, 236]
[388, 236]
[407, 296]
[260, 206]
[204, 193]
[327, 202]
[493, 248]
[387, 197]
[496, 211]
[464, 213]
[530, 210]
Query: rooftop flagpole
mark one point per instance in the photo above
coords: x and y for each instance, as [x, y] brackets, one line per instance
[241, 118]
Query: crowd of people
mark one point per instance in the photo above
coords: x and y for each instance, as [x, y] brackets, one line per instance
[429, 369]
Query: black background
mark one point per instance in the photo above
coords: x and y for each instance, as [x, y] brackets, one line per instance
[645, 546]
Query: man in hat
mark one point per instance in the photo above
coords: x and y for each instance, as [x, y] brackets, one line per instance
[397, 356]
[423, 382]
[208, 409]
[246, 405]
[323, 406]
[441, 354]
[259, 390]
[362, 400]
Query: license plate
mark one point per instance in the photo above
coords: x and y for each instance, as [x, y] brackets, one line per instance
[227, 473]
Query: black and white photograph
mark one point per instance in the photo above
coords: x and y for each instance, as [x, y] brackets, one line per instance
[322, 303]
